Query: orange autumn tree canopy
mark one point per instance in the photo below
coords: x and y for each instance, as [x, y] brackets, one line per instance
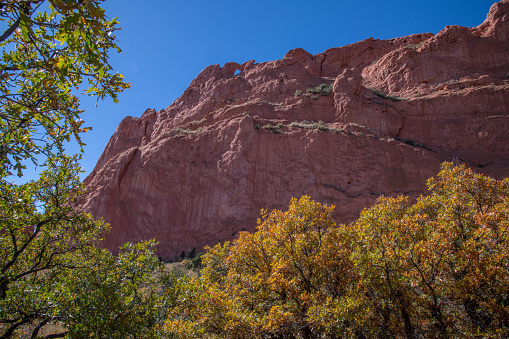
[435, 268]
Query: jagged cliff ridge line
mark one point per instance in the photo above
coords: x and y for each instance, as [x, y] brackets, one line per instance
[199, 171]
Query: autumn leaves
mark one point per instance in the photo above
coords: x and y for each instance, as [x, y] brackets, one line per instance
[435, 268]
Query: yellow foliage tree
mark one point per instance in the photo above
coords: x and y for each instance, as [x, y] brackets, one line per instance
[435, 268]
[439, 267]
[264, 284]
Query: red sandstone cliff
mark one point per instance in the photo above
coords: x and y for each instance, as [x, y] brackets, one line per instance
[199, 171]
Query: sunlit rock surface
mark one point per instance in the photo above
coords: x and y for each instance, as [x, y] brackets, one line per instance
[199, 171]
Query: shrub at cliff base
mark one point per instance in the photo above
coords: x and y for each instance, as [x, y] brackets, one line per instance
[52, 273]
[435, 268]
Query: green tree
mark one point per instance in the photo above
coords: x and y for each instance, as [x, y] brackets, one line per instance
[52, 271]
[47, 55]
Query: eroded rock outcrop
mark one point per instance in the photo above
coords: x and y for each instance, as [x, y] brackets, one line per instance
[384, 114]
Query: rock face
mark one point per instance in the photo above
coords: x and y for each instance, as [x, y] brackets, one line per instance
[385, 115]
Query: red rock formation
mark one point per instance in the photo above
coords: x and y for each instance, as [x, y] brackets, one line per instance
[199, 171]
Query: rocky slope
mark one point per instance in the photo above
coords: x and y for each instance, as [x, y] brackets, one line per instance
[384, 115]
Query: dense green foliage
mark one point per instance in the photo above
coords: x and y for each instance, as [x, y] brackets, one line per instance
[435, 268]
[52, 271]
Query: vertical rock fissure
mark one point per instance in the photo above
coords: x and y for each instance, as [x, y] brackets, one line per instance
[130, 158]
[145, 131]
[401, 127]
[321, 63]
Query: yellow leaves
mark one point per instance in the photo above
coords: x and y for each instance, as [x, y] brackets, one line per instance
[274, 272]
[398, 269]
[181, 328]
[278, 317]
[62, 62]
[439, 249]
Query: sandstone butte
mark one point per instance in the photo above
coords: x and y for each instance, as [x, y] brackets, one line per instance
[198, 172]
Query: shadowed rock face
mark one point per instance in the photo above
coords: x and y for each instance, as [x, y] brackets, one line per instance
[199, 171]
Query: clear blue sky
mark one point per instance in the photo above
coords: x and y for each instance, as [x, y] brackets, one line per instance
[167, 43]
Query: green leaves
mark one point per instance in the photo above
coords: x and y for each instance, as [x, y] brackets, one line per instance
[115, 296]
[46, 57]
[52, 271]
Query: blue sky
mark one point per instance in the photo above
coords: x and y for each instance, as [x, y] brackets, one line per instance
[167, 43]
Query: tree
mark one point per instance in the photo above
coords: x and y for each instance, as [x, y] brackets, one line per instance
[436, 268]
[52, 271]
[47, 55]
[266, 284]
[439, 267]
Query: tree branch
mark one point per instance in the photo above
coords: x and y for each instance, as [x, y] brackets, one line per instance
[10, 30]
[25, 8]
[57, 335]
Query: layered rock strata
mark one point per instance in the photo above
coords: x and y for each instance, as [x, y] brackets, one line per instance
[345, 126]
